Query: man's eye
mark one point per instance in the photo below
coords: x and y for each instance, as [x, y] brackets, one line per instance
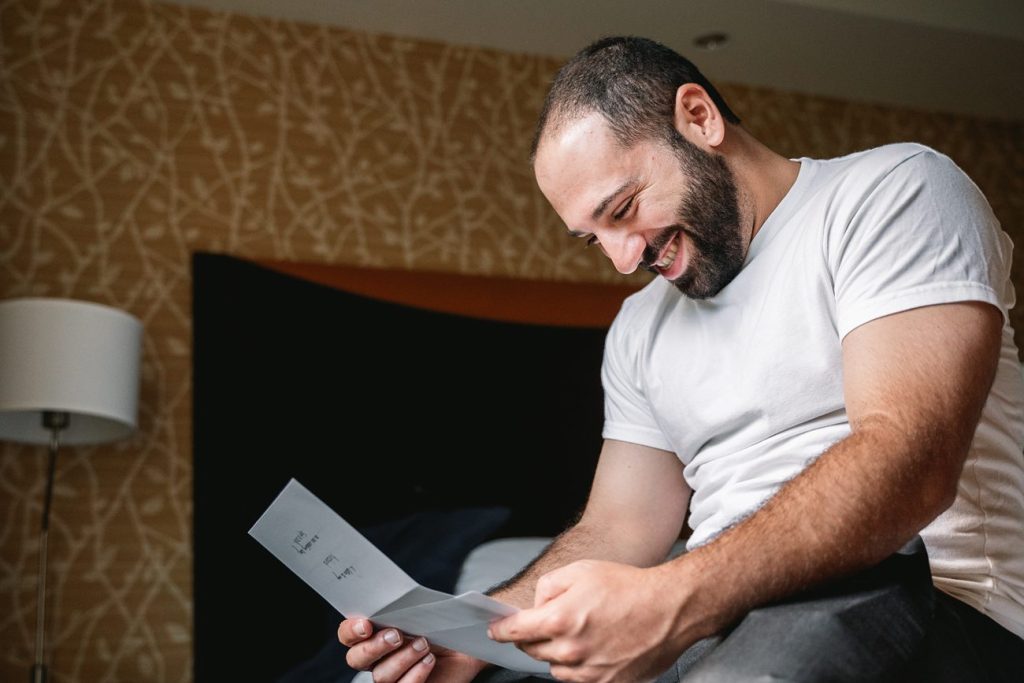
[618, 215]
[592, 240]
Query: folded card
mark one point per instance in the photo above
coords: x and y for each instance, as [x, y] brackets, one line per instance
[359, 580]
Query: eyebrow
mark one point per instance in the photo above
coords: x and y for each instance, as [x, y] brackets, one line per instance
[610, 198]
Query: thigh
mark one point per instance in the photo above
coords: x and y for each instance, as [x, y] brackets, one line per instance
[865, 628]
[495, 675]
[689, 659]
[673, 675]
[965, 645]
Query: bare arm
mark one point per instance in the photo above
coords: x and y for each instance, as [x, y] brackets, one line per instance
[636, 507]
[915, 384]
[634, 513]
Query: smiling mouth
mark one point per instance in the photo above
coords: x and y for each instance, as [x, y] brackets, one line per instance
[669, 257]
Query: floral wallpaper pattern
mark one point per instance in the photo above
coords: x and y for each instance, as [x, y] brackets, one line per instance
[133, 133]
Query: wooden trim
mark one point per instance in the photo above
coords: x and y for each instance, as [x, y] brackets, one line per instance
[569, 304]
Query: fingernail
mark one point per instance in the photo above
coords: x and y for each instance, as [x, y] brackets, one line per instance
[360, 628]
[490, 634]
[420, 644]
[428, 660]
[392, 637]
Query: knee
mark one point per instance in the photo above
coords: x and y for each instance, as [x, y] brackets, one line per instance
[718, 672]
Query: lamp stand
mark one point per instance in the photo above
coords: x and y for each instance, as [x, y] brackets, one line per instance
[55, 421]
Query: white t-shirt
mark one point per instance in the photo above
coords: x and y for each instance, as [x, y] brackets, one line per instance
[747, 387]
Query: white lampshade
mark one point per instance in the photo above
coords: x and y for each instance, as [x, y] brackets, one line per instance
[71, 356]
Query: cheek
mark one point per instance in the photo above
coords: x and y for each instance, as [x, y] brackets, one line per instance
[668, 203]
[658, 216]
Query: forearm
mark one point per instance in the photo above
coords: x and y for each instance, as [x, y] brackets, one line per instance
[581, 541]
[857, 504]
[636, 507]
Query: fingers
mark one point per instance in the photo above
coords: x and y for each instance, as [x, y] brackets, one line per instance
[363, 655]
[546, 619]
[352, 631]
[410, 663]
[419, 672]
[530, 625]
[563, 651]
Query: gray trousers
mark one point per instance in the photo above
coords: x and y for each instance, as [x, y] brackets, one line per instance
[887, 623]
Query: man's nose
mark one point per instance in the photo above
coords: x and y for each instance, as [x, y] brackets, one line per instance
[624, 249]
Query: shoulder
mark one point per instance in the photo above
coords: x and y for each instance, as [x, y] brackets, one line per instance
[872, 168]
[913, 177]
[890, 179]
[882, 158]
[915, 229]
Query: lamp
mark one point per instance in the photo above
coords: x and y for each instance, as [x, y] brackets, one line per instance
[69, 372]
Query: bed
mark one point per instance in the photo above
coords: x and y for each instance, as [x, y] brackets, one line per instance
[435, 412]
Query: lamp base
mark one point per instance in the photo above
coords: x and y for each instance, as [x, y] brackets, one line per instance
[55, 421]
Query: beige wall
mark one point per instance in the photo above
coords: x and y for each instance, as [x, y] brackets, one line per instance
[132, 134]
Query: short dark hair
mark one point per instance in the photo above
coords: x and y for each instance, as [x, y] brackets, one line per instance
[630, 81]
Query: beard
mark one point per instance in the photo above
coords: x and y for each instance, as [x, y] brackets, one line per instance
[709, 215]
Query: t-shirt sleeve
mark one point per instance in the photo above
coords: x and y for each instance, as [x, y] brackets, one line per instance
[627, 412]
[923, 235]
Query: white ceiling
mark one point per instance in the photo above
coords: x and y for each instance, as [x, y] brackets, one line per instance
[963, 56]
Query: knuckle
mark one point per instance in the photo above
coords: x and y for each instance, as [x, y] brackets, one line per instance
[393, 665]
[569, 653]
[554, 622]
[371, 649]
[353, 659]
[364, 655]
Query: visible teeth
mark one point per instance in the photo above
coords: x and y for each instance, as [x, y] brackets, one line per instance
[670, 255]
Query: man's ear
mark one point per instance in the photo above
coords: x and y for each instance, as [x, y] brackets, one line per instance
[697, 118]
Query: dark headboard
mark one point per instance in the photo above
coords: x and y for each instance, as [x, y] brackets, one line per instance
[346, 380]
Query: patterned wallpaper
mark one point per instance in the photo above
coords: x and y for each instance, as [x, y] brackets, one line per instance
[132, 134]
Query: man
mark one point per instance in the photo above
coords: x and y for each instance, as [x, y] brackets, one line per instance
[825, 362]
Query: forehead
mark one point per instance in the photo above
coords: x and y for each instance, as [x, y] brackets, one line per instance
[580, 163]
[573, 148]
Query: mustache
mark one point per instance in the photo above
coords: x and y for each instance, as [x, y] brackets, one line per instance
[654, 249]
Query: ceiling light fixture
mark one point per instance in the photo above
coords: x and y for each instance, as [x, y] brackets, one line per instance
[711, 41]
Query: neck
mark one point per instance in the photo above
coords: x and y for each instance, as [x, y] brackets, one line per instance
[764, 176]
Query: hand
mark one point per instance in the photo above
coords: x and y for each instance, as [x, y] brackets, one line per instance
[394, 657]
[600, 621]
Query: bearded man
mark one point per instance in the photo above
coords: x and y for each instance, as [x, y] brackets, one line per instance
[823, 373]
